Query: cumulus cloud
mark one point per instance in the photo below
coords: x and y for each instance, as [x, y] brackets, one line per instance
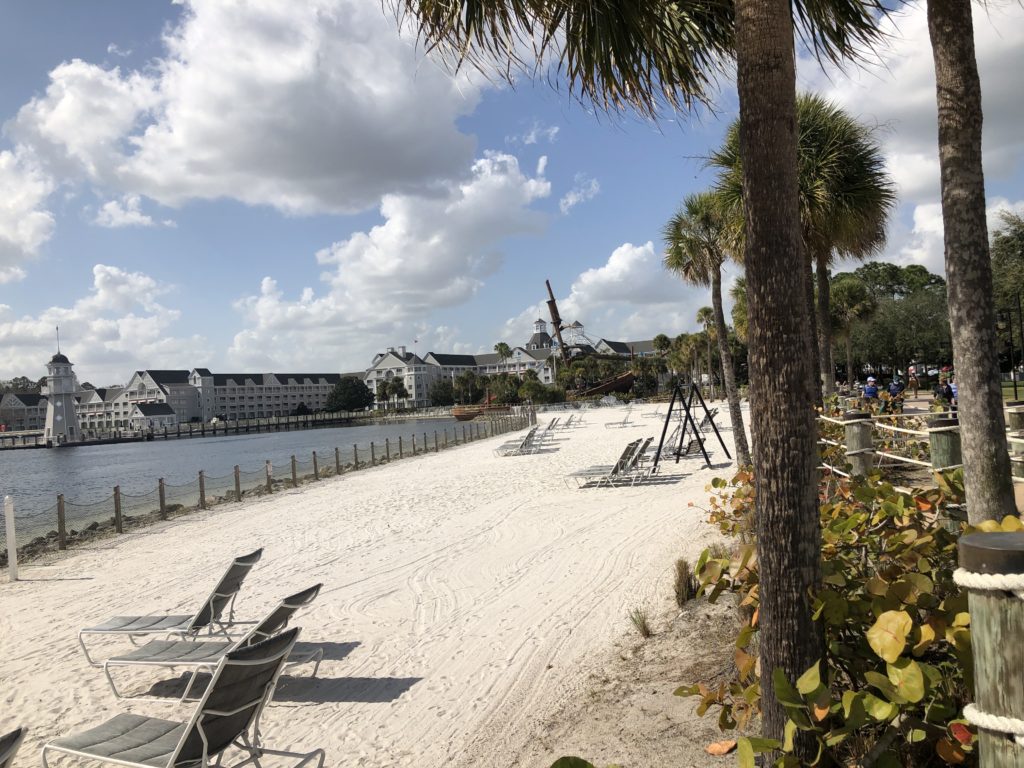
[583, 189]
[120, 325]
[629, 297]
[126, 212]
[317, 107]
[430, 252]
[535, 134]
[25, 224]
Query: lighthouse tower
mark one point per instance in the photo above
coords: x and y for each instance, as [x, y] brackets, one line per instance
[61, 417]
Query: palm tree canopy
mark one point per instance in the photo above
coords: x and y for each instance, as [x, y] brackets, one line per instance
[706, 317]
[698, 238]
[619, 53]
[851, 301]
[846, 195]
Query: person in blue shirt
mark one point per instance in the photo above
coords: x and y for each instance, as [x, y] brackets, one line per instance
[896, 387]
[871, 389]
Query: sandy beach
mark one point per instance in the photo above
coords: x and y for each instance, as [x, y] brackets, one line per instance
[466, 598]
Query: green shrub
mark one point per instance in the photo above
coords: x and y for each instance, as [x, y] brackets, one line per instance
[896, 669]
[686, 585]
[639, 618]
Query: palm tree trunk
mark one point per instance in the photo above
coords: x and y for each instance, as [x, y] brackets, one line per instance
[782, 420]
[739, 432]
[849, 359]
[825, 326]
[812, 328]
[987, 481]
[711, 371]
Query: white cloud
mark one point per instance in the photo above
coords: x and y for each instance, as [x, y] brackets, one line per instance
[430, 252]
[25, 225]
[535, 134]
[629, 297]
[120, 325]
[316, 107]
[583, 189]
[126, 212]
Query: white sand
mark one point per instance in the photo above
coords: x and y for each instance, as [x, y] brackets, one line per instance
[479, 593]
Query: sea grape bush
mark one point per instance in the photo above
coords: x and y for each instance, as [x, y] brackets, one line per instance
[895, 670]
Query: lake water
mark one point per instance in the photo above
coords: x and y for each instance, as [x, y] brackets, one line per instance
[88, 474]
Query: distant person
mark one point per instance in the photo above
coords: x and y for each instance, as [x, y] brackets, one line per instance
[949, 393]
[871, 389]
[896, 387]
[915, 383]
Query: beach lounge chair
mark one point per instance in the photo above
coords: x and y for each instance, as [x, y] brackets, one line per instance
[9, 744]
[517, 447]
[227, 715]
[706, 421]
[203, 656]
[208, 617]
[601, 473]
[624, 423]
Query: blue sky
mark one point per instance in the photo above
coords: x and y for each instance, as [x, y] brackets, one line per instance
[267, 186]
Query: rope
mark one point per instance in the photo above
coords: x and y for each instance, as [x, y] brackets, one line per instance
[1004, 582]
[891, 428]
[989, 722]
[897, 457]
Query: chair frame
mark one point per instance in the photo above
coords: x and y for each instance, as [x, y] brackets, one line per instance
[7, 756]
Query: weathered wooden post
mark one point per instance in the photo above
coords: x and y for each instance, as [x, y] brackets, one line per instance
[202, 489]
[436, 448]
[425, 444]
[463, 433]
[337, 460]
[387, 449]
[446, 438]
[373, 455]
[12, 542]
[316, 467]
[944, 440]
[62, 532]
[859, 451]
[161, 489]
[238, 483]
[270, 477]
[992, 570]
[414, 445]
[295, 473]
[401, 451]
[355, 457]
[118, 518]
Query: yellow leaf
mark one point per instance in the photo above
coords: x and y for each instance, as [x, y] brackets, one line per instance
[927, 637]
[718, 748]
[819, 712]
[888, 635]
[1011, 523]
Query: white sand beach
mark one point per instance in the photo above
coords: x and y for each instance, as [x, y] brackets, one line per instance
[466, 598]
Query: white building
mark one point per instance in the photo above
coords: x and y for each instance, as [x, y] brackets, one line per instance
[234, 396]
[61, 414]
[104, 409]
[152, 416]
[22, 410]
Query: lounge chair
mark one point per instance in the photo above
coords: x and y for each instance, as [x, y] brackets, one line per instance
[208, 617]
[228, 714]
[9, 744]
[601, 473]
[518, 447]
[708, 417]
[203, 656]
[616, 424]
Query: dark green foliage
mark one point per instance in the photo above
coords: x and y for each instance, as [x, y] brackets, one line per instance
[349, 394]
[442, 392]
[301, 410]
[1008, 260]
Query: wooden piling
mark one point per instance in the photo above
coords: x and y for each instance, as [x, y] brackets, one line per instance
[238, 483]
[337, 460]
[387, 449]
[373, 455]
[295, 473]
[162, 493]
[62, 531]
[202, 489]
[435, 442]
[316, 467]
[355, 457]
[270, 477]
[996, 619]
[859, 450]
[401, 451]
[944, 439]
[118, 519]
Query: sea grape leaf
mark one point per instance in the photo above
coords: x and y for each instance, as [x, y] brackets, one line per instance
[888, 635]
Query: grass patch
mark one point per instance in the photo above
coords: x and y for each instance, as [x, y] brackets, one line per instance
[686, 584]
[639, 618]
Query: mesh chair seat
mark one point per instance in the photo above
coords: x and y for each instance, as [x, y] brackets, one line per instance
[9, 744]
[121, 625]
[129, 738]
[164, 652]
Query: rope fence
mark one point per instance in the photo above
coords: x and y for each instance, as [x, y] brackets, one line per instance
[69, 522]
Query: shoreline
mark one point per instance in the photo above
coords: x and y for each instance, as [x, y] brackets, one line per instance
[465, 598]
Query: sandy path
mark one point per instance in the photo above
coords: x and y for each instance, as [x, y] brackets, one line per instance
[465, 596]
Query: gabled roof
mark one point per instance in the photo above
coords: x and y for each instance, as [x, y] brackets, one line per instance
[290, 379]
[408, 358]
[236, 379]
[29, 399]
[155, 409]
[202, 371]
[540, 354]
[446, 359]
[164, 378]
[107, 394]
[540, 339]
[618, 347]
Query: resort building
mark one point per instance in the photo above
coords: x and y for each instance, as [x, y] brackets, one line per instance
[152, 416]
[20, 411]
[626, 348]
[102, 410]
[260, 395]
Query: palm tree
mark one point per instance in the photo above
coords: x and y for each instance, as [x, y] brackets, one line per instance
[846, 198]
[645, 55]
[738, 293]
[662, 344]
[706, 317]
[972, 318]
[696, 244]
[851, 303]
[383, 392]
[504, 352]
[397, 390]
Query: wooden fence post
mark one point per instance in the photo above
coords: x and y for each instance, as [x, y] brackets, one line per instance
[62, 533]
[270, 477]
[414, 445]
[316, 467]
[202, 489]
[859, 451]
[387, 449]
[295, 473]
[944, 440]
[238, 483]
[355, 457]
[337, 460]
[463, 433]
[162, 493]
[436, 450]
[425, 448]
[373, 455]
[446, 438]
[997, 614]
[118, 518]
[401, 451]
[12, 543]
